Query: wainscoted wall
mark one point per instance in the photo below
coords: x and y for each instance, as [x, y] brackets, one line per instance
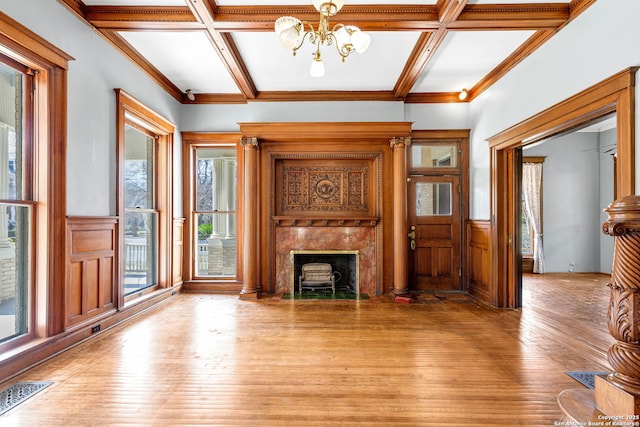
[477, 258]
[178, 251]
[92, 274]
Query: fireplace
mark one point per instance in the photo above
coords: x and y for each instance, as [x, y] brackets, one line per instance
[345, 263]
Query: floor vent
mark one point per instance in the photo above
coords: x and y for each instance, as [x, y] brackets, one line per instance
[18, 393]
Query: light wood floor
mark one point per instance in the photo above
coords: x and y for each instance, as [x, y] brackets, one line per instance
[205, 359]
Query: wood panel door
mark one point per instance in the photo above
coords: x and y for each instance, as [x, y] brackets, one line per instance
[435, 233]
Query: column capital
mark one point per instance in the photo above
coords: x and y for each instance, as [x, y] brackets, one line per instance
[249, 140]
[400, 141]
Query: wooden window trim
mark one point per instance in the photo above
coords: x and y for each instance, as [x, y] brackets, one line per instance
[191, 141]
[132, 111]
[49, 127]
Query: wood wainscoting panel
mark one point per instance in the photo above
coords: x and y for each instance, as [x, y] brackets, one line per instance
[91, 258]
[478, 234]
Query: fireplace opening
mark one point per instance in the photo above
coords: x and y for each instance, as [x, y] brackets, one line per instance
[345, 263]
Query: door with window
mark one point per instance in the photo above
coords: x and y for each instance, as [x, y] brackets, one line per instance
[435, 216]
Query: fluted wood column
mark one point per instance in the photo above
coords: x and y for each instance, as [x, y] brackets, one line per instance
[250, 288]
[400, 242]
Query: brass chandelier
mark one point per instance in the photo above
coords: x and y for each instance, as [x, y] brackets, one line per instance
[346, 38]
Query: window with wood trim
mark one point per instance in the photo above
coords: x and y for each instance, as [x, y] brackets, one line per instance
[211, 200]
[33, 99]
[144, 149]
[16, 204]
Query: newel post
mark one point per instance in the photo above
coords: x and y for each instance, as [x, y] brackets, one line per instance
[619, 394]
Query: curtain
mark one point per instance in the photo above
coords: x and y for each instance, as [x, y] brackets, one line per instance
[531, 183]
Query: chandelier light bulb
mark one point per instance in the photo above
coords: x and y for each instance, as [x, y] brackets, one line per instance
[317, 66]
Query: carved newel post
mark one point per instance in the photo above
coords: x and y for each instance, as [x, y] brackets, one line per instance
[619, 394]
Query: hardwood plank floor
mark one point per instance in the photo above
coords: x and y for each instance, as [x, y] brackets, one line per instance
[203, 359]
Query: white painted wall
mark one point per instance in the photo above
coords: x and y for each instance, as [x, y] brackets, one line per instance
[607, 142]
[595, 46]
[93, 75]
[571, 202]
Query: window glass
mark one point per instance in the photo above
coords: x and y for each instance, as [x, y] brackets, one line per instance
[433, 156]
[433, 198]
[214, 215]
[15, 226]
[141, 218]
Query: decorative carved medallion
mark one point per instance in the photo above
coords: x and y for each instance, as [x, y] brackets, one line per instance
[343, 187]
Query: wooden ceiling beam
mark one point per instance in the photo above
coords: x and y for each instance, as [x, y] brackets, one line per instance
[366, 17]
[511, 17]
[142, 18]
[226, 48]
[426, 47]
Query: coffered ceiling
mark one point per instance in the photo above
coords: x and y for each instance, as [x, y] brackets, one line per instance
[425, 51]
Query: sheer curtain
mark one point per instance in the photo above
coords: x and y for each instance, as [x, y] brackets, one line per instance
[531, 183]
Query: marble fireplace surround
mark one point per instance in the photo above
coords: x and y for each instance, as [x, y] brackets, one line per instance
[362, 239]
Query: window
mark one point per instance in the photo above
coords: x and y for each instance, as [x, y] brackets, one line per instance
[214, 213]
[140, 211]
[433, 198]
[433, 155]
[32, 185]
[15, 207]
[144, 198]
[211, 203]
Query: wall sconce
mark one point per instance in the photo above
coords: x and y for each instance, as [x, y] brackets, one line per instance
[464, 94]
[190, 95]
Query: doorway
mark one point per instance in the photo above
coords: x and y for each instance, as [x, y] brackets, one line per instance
[614, 95]
[437, 207]
[572, 196]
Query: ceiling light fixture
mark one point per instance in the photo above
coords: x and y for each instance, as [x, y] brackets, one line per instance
[347, 38]
[190, 95]
[464, 94]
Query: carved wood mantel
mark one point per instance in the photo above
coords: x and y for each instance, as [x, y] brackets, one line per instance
[324, 185]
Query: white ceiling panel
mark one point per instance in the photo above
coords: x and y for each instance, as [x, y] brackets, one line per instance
[514, 1]
[186, 58]
[308, 2]
[465, 57]
[134, 2]
[274, 68]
